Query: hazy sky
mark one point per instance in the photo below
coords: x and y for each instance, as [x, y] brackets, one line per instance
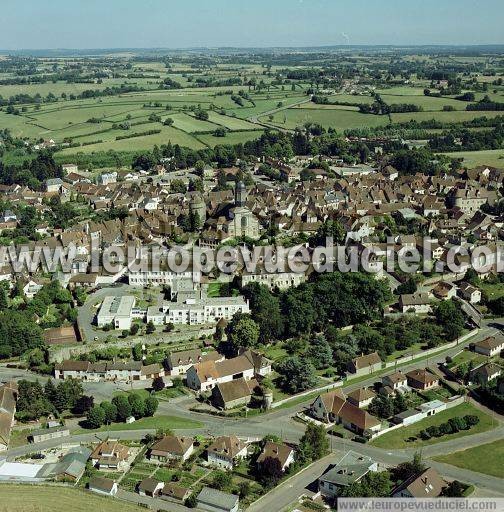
[32, 24]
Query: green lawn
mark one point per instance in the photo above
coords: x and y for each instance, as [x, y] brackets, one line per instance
[25, 498]
[491, 157]
[155, 422]
[487, 459]
[465, 356]
[340, 119]
[493, 290]
[457, 116]
[397, 439]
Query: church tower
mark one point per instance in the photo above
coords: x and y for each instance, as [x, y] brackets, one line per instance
[240, 194]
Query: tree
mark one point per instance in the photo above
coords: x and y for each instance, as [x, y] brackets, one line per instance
[314, 443]
[18, 332]
[137, 352]
[150, 328]
[158, 384]
[134, 329]
[221, 480]
[329, 229]
[96, 417]
[409, 286]
[110, 412]
[320, 352]
[137, 405]
[123, 407]
[32, 402]
[296, 374]
[381, 406]
[266, 312]
[243, 489]
[83, 404]
[242, 331]
[455, 489]
[373, 484]
[4, 304]
[406, 469]
[449, 315]
[151, 404]
[67, 394]
[270, 472]
[50, 391]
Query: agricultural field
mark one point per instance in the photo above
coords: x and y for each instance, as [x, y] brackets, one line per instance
[74, 103]
[471, 159]
[339, 119]
[57, 499]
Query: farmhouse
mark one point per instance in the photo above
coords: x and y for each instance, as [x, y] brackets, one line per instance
[326, 406]
[422, 379]
[332, 407]
[225, 451]
[228, 395]
[365, 364]
[172, 447]
[179, 362]
[108, 371]
[44, 434]
[470, 293]
[490, 346]
[205, 376]
[415, 302]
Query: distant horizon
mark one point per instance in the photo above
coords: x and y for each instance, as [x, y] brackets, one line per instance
[235, 47]
[177, 24]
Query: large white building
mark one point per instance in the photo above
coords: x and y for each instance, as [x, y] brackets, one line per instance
[192, 306]
[161, 277]
[117, 311]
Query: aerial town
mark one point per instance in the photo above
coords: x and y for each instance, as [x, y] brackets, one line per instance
[251, 279]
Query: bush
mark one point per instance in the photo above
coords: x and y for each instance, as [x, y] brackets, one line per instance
[471, 420]
[424, 435]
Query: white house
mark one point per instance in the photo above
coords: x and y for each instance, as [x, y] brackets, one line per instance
[102, 486]
[226, 451]
[490, 346]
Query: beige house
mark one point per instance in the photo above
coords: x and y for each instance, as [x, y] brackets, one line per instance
[422, 379]
[365, 364]
[172, 447]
